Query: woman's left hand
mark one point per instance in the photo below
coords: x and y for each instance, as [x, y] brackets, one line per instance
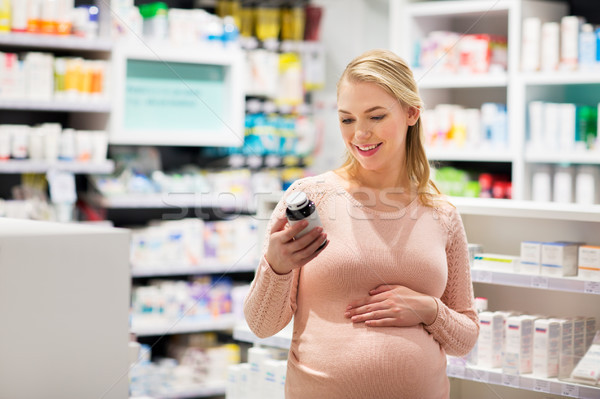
[393, 306]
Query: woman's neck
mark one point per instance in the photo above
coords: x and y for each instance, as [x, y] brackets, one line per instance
[380, 181]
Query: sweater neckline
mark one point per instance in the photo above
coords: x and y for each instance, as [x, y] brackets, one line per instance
[337, 182]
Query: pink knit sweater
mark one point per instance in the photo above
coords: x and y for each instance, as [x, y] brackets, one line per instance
[420, 247]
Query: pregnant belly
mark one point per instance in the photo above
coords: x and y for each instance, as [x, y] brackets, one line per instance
[355, 361]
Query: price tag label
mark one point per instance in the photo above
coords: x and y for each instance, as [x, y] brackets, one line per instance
[484, 276]
[541, 386]
[592, 287]
[539, 282]
[481, 375]
[569, 390]
[511, 380]
[456, 371]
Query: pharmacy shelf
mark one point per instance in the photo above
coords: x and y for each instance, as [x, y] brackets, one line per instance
[201, 391]
[283, 339]
[526, 209]
[457, 369]
[459, 8]
[170, 200]
[148, 327]
[214, 268]
[437, 154]
[569, 284]
[98, 106]
[31, 166]
[561, 78]
[431, 80]
[51, 42]
[555, 157]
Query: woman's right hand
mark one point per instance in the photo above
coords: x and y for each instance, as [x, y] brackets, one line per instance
[284, 253]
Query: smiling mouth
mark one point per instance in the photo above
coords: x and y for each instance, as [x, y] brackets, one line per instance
[367, 148]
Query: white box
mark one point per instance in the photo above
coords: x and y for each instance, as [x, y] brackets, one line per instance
[518, 356]
[565, 352]
[546, 345]
[559, 259]
[550, 53]
[564, 182]
[578, 335]
[531, 257]
[491, 337]
[589, 262]
[568, 121]
[587, 370]
[569, 42]
[530, 58]
[496, 262]
[586, 185]
[590, 331]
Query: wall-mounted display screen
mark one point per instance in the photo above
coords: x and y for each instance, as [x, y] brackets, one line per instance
[174, 96]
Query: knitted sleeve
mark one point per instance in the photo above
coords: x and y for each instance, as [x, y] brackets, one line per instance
[456, 326]
[271, 300]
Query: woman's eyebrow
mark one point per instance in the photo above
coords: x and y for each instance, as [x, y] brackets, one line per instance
[366, 111]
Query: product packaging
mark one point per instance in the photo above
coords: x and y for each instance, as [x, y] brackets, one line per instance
[564, 184]
[550, 53]
[565, 357]
[589, 262]
[530, 49]
[587, 185]
[546, 345]
[587, 370]
[496, 262]
[490, 341]
[518, 355]
[570, 27]
[559, 259]
[531, 257]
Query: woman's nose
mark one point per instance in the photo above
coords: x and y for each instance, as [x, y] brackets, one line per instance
[363, 129]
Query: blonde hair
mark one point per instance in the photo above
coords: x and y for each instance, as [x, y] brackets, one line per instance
[390, 72]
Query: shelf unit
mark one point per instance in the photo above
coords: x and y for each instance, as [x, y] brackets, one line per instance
[438, 154]
[500, 226]
[458, 369]
[49, 42]
[201, 391]
[170, 200]
[184, 270]
[99, 106]
[184, 325]
[31, 166]
[411, 21]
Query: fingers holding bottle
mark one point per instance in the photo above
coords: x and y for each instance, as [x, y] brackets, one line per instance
[288, 251]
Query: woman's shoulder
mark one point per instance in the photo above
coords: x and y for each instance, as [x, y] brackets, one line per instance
[317, 187]
[446, 211]
[313, 183]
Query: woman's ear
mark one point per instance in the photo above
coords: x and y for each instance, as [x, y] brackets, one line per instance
[413, 115]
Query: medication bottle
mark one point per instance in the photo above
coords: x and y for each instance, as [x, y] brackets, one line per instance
[299, 207]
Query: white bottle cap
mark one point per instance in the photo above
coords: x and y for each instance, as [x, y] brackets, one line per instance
[297, 200]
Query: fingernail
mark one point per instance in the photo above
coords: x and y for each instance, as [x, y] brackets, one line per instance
[347, 314]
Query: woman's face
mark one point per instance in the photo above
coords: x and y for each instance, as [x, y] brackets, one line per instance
[374, 125]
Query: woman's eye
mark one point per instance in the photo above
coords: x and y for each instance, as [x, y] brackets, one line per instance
[346, 121]
[378, 118]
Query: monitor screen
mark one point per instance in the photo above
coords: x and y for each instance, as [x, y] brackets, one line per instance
[174, 96]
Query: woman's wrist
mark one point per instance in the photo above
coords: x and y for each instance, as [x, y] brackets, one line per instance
[432, 311]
